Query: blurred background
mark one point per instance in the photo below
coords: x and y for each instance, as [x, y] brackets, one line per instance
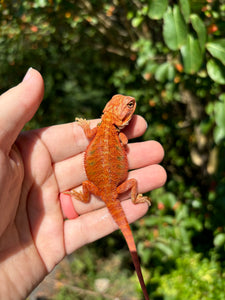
[169, 55]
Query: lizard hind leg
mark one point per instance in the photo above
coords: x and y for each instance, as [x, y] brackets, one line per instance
[131, 184]
[84, 196]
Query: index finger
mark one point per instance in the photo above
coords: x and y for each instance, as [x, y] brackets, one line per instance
[18, 105]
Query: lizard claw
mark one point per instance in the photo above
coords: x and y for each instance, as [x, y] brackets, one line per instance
[75, 194]
[82, 122]
[142, 199]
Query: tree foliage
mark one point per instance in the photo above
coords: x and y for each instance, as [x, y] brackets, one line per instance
[169, 55]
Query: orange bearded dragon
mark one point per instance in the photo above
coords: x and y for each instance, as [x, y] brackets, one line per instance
[106, 167]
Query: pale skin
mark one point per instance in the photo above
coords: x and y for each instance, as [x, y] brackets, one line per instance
[36, 166]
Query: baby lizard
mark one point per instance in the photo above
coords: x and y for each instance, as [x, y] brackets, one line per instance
[106, 167]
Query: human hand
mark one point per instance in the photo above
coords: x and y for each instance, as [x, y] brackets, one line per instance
[38, 165]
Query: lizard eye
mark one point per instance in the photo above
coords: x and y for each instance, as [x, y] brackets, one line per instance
[130, 104]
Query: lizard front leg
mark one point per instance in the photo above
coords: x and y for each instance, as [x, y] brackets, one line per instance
[84, 196]
[90, 133]
[123, 138]
[132, 184]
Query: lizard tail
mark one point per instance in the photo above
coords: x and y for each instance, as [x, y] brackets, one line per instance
[119, 217]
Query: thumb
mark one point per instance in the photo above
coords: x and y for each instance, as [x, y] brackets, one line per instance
[18, 105]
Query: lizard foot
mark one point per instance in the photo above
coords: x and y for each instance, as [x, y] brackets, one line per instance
[82, 122]
[142, 199]
[76, 195]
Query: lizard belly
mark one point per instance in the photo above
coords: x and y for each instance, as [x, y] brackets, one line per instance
[106, 161]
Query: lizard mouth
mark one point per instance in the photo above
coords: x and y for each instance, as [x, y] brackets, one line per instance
[125, 123]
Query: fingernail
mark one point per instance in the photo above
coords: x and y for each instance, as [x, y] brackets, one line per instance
[27, 75]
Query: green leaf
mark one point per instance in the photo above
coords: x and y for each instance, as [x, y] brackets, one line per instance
[200, 29]
[168, 199]
[171, 72]
[157, 9]
[219, 134]
[217, 49]
[185, 9]
[192, 55]
[40, 3]
[161, 72]
[219, 111]
[219, 240]
[216, 71]
[137, 21]
[174, 28]
[169, 33]
[165, 72]
[181, 26]
[164, 248]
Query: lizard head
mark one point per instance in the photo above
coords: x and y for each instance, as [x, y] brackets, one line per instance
[122, 107]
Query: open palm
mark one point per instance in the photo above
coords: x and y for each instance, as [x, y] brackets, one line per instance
[36, 166]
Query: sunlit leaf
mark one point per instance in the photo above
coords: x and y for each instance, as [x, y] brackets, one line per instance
[216, 71]
[157, 8]
[40, 3]
[185, 9]
[137, 21]
[181, 27]
[165, 249]
[169, 33]
[219, 108]
[217, 49]
[191, 55]
[174, 28]
[200, 29]
[219, 111]
[219, 240]
[218, 134]
[165, 72]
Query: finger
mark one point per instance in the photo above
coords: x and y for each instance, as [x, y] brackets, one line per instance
[136, 127]
[97, 224]
[67, 207]
[148, 178]
[144, 153]
[66, 140]
[18, 105]
[139, 155]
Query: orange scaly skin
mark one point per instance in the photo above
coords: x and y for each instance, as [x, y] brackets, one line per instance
[106, 167]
